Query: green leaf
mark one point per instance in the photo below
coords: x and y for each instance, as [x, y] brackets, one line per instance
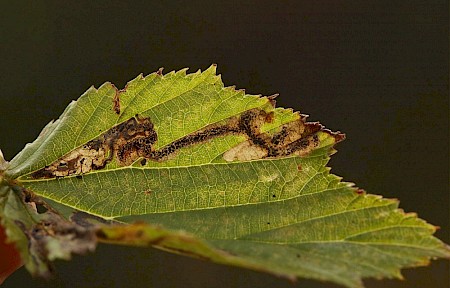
[223, 175]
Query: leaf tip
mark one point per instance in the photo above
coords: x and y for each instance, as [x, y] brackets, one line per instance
[446, 249]
[213, 68]
[272, 100]
[397, 274]
[105, 86]
[3, 163]
[91, 89]
[338, 135]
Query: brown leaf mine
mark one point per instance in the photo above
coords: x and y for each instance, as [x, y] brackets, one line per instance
[135, 138]
[125, 142]
[294, 138]
[116, 102]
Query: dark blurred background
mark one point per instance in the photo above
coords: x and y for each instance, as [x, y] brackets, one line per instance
[376, 70]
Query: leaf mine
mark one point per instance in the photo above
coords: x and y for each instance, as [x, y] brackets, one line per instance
[125, 142]
[116, 102]
[135, 138]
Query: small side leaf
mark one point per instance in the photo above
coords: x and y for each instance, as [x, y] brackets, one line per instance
[40, 237]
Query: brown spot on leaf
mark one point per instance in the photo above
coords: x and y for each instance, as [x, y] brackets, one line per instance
[270, 117]
[360, 191]
[116, 99]
[116, 102]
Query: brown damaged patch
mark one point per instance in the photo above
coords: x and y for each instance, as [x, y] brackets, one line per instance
[116, 99]
[50, 236]
[294, 138]
[125, 142]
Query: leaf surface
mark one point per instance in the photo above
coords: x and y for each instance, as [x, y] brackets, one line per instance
[246, 183]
